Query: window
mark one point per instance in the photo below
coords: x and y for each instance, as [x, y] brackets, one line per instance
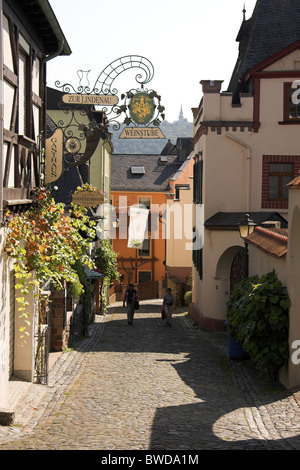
[277, 171]
[138, 170]
[145, 250]
[280, 174]
[22, 94]
[145, 201]
[145, 276]
[198, 258]
[178, 187]
[291, 107]
[198, 179]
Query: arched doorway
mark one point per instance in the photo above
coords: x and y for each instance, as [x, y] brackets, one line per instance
[238, 269]
[231, 267]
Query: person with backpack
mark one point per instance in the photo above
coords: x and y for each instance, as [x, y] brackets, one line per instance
[168, 303]
[131, 298]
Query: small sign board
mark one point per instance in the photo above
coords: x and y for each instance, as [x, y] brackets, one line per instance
[88, 198]
[142, 133]
[100, 100]
[54, 156]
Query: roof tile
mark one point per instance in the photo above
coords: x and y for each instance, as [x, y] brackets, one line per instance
[271, 241]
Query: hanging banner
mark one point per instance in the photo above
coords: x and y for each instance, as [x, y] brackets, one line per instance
[138, 224]
[54, 156]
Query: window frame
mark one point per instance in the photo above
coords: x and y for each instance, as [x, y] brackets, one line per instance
[144, 271]
[141, 250]
[286, 105]
[280, 175]
[198, 182]
[198, 258]
[267, 203]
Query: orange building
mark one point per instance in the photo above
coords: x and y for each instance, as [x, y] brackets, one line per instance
[143, 180]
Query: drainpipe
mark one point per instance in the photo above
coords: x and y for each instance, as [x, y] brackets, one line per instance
[248, 175]
[1, 112]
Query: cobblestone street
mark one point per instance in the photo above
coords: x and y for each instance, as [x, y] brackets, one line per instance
[151, 387]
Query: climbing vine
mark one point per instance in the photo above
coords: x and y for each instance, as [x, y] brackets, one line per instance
[45, 243]
[107, 264]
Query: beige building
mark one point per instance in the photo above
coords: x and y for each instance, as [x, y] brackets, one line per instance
[246, 154]
[180, 236]
[278, 249]
[246, 146]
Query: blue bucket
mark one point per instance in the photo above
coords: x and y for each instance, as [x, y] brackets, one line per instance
[235, 350]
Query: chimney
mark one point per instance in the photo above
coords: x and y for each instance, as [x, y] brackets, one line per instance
[211, 86]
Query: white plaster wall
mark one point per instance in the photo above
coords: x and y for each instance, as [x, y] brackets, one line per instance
[4, 322]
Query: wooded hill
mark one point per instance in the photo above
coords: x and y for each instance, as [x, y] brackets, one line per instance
[180, 128]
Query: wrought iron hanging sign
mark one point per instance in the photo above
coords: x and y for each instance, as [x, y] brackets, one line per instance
[88, 111]
[142, 108]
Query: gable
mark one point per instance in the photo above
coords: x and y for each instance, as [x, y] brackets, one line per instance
[274, 25]
[288, 62]
[287, 59]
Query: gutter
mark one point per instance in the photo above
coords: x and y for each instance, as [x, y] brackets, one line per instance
[248, 176]
[64, 48]
[55, 54]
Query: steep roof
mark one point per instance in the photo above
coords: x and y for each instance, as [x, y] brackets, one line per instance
[156, 176]
[43, 20]
[184, 146]
[274, 25]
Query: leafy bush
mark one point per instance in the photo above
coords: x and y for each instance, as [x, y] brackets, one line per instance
[188, 297]
[257, 315]
[106, 260]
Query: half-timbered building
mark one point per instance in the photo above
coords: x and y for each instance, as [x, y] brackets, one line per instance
[30, 37]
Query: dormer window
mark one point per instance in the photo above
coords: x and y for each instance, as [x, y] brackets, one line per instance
[138, 170]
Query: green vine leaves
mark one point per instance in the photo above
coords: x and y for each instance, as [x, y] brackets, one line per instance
[45, 243]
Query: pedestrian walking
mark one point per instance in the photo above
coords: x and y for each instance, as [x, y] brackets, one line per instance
[168, 304]
[131, 298]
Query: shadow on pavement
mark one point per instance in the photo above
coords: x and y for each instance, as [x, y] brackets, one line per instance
[212, 422]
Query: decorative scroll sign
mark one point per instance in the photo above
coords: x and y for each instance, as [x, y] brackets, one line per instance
[142, 108]
[54, 156]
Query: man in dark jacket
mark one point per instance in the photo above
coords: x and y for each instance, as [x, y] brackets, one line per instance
[130, 297]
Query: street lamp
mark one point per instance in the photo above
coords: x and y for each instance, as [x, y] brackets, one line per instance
[246, 227]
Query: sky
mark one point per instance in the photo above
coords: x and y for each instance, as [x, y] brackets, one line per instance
[186, 41]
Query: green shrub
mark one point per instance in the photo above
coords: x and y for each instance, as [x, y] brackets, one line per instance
[257, 315]
[188, 297]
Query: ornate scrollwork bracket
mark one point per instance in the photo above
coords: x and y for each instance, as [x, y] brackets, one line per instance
[103, 96]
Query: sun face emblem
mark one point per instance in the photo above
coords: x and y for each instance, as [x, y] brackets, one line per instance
[141, 108]
[72, 145]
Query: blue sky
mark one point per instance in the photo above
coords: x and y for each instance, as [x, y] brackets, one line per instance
[185, 41]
